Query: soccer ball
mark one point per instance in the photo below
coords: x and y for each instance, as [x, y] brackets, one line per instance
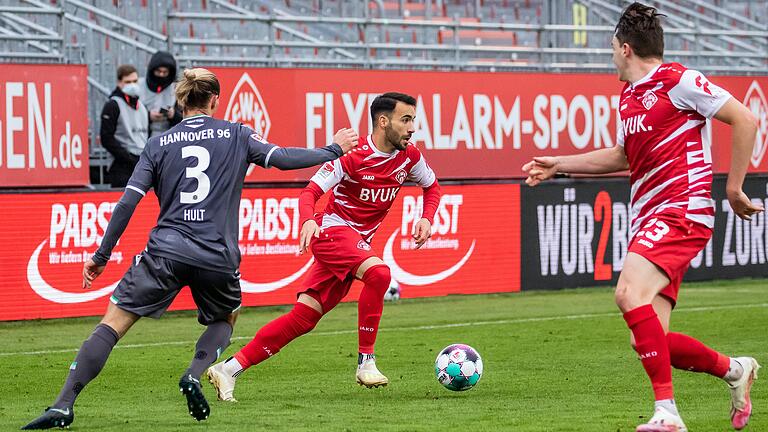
[393, 292]
[458, 367]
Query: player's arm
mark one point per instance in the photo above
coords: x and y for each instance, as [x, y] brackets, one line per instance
[423, 229]
[138, 185]
[307, 202]
[328, 176]
[289, 158]
[695, 92]
[743, 129]
[603, 161]
[422, 175]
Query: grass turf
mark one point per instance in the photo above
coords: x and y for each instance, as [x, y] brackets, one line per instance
[554, 361]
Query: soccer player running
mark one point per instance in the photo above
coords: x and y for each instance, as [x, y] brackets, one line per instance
[663, 109]
[365, 183]
[196, 169]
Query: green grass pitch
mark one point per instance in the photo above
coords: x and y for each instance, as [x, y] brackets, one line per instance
[554, 361]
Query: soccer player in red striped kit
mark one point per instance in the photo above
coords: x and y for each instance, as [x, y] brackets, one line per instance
[664, 108]
[364, 185]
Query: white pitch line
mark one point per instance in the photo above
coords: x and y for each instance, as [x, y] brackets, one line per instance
[427, 327]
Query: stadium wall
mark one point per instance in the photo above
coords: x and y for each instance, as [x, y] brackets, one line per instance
[469, 124]
[45, 238]
[491, 237]
[501, 237]
[576, 234]
[43, 125]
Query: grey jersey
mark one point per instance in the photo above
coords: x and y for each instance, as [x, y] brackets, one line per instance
[197, 169]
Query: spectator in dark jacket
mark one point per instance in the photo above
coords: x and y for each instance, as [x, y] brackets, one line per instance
[124, 126]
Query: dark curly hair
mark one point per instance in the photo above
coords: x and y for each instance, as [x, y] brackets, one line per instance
[640, 27]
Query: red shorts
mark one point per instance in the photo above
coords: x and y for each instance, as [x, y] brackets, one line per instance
[338, 253]
[671, 241]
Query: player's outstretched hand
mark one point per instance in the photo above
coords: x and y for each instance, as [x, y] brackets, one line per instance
[540, 169]
[308, 230]
[742, 206]
[346, 139]
[422, 232]
[90, 272]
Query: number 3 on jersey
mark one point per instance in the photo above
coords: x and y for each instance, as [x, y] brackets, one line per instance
[196, 172]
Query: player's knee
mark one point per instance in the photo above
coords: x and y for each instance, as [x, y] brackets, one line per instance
[378, 276]
[118, 327]
[232, 318]
[309, 323]
[305, 318]
[625, 298]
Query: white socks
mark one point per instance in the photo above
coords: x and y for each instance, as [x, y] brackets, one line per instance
[669, 405]
[232, 367]
[362, 358]
[735, 371]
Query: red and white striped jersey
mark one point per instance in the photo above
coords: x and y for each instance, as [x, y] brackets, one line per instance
[365, 183]
[663, 132]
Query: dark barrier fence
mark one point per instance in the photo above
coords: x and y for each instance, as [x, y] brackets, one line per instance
[575, 233]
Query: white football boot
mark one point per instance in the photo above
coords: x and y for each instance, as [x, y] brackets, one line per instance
[368, 374]
[223, 382]
[663, 421]
[741, 405]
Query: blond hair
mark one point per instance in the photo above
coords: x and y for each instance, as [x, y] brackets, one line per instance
[196, 88]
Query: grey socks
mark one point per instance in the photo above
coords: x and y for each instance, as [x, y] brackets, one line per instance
[88, 363]
[213, 341]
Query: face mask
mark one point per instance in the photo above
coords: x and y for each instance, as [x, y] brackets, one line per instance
[131, 89]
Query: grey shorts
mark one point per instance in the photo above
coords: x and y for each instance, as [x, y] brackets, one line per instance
[152, 282]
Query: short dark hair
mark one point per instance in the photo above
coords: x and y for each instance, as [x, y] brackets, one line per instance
[640, 27]
[385, 104]
[124, 70]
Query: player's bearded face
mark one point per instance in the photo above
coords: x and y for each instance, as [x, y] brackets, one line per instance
[400, 126]
[395, 137]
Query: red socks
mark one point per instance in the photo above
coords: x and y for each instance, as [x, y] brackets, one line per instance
[689, 354]
[302, 319]
[651, 345]
[370, 305]
[278, 333]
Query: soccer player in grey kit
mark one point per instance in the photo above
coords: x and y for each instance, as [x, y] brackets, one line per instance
[197, 169]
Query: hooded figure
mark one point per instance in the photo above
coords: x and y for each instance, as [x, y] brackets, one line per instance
[157, 93]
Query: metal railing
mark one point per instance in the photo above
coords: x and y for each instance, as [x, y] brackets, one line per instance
[23, 39]
[750, 58]
[703, 40]
[103, 40]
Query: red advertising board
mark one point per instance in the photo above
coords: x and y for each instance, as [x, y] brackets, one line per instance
[45, 237]
[43, 125]
[469, 124]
